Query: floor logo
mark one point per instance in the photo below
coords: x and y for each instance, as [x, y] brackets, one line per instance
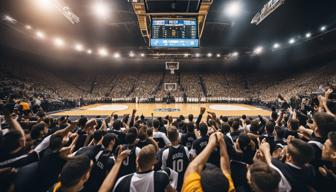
[167, 110]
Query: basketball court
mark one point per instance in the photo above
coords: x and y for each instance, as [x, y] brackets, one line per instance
[161, 109]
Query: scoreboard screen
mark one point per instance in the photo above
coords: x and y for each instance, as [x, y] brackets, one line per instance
[174, 33]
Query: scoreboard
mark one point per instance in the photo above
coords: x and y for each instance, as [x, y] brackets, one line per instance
[174, 33]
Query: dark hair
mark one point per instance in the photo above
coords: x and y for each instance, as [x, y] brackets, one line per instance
[117, 124]
[156, 123]
[203, 129]
[225, 118]
[325, 123]
[190, 117]
[35, 132]
[235, 125]
[74, 170]
[244, 117]
[108, 138]
[131, 135]
[82, 121]
[190, 127]
[254, 126]
[295, 124]
[97, 135]
[263, 177]
[300, 151]
[225, 128]
[213, 180]
[244, 142]
[274, 115]
[55, 142]
[269, 127]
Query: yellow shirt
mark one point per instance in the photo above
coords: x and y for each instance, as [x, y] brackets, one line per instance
[192, 183]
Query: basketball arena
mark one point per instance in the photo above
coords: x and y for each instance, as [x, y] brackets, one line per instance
[167, 95]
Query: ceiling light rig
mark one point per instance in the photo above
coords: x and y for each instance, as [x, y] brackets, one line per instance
[103, 52]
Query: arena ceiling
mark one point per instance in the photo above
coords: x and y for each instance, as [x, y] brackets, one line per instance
[120, 31]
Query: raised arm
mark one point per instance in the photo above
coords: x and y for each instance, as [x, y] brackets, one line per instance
[198, 163]
[113, 174]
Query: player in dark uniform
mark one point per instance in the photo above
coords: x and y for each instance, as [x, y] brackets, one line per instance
[200, 144]
[104, 161]
[176, 157]
[188, 138]
[129, 164]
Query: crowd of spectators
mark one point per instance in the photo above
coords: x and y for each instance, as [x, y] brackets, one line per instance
[292, 150]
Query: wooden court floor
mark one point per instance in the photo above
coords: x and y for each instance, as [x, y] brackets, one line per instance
[162, 109]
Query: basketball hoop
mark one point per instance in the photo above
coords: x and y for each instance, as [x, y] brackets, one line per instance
[172, 66]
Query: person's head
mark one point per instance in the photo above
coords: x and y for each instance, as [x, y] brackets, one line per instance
[294, 124]
[244, 117]
[156, 124]
[190, 117]
[75, 173]
[12, 140]
[269, 127]
[254, 126]
[212, 179]
[97, 135]
[143, 133]
[299, 152]
[117, 124]
[190, 127]
[146, 158]
[225, 119]
[244, 142]
[262, 178]
[235, 125]
[323, 123]
[329, 148]
[225, 128]
[82, 122]
[108, 141]
[203, 128]
[131, 136]
[279, 132]
[274, 116]
[38, 131]
[173, 135]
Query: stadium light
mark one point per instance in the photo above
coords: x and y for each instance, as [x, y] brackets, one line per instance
[9, 19]
[28, 27]
[45, 4]
[235, 54]
[197, 55]
[78, 47]
[258, 50]
[308, 35]
[116, 55]
[276, 45]
[142, 55]
[131, 54]
[40, 34]
[233, 9]
[103, 52]
[218, 55]
[101, 9]
[209, 54]
[59, 42]
[291, 41]
[323, 28]
[89, 51]
[186, 54]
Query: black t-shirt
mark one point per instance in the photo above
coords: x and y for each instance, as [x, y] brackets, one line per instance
[188, 139]
[129, 163]
[104, 162]
[152, 181]
[299, 178]
[143, 143]
[200, 144]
